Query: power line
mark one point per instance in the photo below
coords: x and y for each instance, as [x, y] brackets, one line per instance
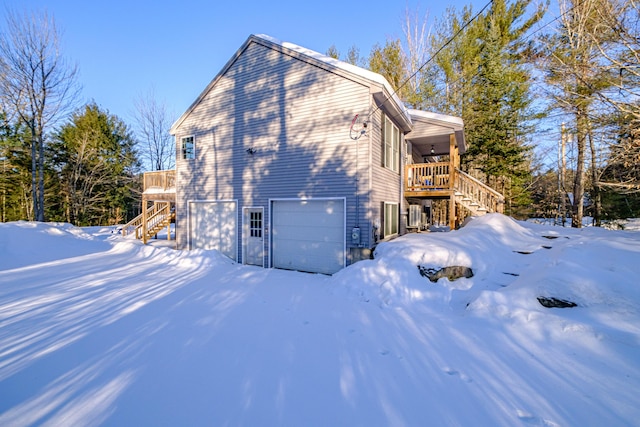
[432, 57]
[561, 15]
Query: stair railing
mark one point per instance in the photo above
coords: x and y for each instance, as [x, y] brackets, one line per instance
[157, 218]
[479, 192]
[155, 214]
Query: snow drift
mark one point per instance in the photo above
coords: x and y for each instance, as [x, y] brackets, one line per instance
[96, 329]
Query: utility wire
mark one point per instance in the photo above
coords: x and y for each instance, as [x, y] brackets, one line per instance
[450, 40]
[537, 30]
[432, 57]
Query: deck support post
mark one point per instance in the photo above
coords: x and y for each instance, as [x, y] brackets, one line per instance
[452, 180]
[144, 220]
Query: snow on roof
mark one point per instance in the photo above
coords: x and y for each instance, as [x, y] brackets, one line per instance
[341, 65]
[345, 66]
[370, 75]
[437, 117]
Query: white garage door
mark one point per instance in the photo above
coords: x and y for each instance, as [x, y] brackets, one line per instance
[308, 235]
[213, 225]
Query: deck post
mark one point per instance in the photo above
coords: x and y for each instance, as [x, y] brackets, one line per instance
[452, 181]
[169, 227]
[144, 220]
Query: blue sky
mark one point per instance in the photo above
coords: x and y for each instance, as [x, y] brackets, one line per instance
[125, 48]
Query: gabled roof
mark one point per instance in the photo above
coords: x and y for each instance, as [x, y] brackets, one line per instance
[384, 95]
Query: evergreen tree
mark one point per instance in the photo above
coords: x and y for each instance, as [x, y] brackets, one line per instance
[332, 52]
[389, 61]
[15, 178]
[94, 154]
[353, 56]
[451, 70]
[485, 78]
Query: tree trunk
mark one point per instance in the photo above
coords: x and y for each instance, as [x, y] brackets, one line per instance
[41, 178]
[34, 173]
[577, 211]
[597, 196]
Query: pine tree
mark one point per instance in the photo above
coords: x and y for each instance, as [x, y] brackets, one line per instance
[483, 75]
[332, 52]
[95, 156]
[15, 178]
[388, 61]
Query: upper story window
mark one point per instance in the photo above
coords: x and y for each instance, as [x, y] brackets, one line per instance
[391, 139]
[188, 148]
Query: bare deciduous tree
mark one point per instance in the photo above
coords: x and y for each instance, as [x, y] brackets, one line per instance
[152, 128]
[577, 79]
[622, 56]
[36, 84]
[416, 40]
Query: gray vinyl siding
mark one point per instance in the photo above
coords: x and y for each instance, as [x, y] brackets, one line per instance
[296, 116]
[386, 184]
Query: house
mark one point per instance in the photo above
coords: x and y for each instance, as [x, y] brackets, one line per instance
[291, 159]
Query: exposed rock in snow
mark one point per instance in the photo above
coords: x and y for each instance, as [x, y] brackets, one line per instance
[452, 273]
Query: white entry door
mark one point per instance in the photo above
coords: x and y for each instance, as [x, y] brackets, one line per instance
[253, 236]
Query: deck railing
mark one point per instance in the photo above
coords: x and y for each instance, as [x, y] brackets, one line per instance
[479, 192]
[437, 176]
[162, 180]
[427, 176]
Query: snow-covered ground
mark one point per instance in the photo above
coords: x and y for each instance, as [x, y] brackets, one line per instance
[96, 329]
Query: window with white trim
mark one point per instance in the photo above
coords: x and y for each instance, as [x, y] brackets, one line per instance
[391, 138]
[188, 148]
[390, 219]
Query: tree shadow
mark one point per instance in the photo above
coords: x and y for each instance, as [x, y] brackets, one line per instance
[272, 126]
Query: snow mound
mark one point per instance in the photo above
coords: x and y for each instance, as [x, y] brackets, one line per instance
[488, 245]
[25, 243]
[513, 263]
[128, 334]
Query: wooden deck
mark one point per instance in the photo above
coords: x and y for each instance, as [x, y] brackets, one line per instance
[159, 189]
[443, 180]
[428, 180]
[159, 186]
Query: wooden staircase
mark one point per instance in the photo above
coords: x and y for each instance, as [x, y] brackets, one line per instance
[158, 216]
[475, 196]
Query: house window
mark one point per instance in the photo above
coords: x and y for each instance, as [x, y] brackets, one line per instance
[255, 224]
[391, 138]
[390, 219]
[188, 148]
